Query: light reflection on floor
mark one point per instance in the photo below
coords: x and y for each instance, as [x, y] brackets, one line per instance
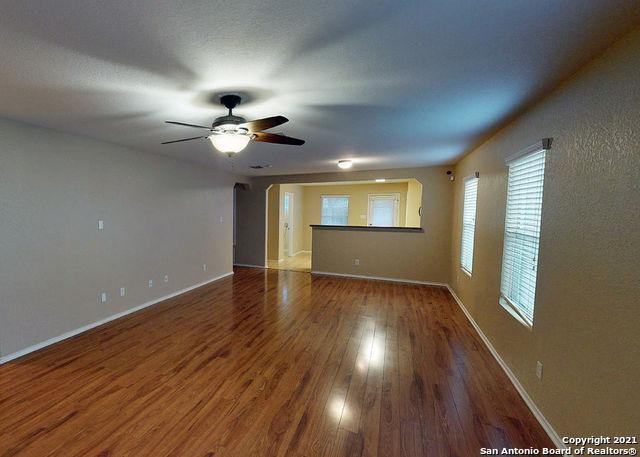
[338, 408]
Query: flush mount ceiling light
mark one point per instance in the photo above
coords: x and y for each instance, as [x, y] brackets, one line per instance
[230, 134]
[381, 180]
[344, 164]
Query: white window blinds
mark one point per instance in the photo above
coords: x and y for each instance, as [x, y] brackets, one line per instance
[335, 210]
[383, 210]
[522, 233]
[468, 223]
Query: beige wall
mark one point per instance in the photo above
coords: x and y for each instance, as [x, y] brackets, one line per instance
[161, 216]
[588, 294]
[358, 203]
[414, 202]
[586, 330]
[428, 253]
[384, 254]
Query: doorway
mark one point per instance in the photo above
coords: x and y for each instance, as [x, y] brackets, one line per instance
[285, 229]
[383, 210]
[287, 224]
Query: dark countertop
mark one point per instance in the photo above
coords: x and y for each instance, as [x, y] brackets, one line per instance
[367, 228]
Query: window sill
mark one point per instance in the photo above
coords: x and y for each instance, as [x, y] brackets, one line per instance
[465, 272]
[509, 308]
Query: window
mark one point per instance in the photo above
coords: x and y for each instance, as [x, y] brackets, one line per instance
[468, 223]
[522, 232]
[335, 210]
[383, 210]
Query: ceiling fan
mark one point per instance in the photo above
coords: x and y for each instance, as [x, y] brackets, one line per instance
[230, 134]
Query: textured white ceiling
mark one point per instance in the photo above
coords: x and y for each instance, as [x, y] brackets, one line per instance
[385, 83]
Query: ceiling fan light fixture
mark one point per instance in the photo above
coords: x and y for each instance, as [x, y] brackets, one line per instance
[345, 164]
[230, 134]
[229, 142]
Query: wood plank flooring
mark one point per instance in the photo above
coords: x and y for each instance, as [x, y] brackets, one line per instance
[269, 363]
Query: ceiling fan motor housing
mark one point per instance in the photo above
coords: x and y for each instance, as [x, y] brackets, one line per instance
[225, 120]
[230, 101]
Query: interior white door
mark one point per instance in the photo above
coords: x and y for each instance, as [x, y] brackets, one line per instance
[383, 210]
[287, 228]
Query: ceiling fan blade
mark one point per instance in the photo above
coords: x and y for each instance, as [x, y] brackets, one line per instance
[264, 124]
[273, 138]
[188, 125]
[184, 139]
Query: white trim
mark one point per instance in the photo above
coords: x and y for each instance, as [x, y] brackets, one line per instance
[475, 175]
[291, 226]
[396, 206]
[348, 197]
[380, 278]
[512, 377]
[84, 328]
[266, 222]
[515, 312]
[508, 304]
[542, 145]
[246, 265]
[548, 428]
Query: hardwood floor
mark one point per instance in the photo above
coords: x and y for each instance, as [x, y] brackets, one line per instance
[269, 362]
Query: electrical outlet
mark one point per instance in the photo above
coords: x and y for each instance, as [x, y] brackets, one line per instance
[166, 278]
[100, 224]
[204, 267]
[221, 219]
[122, 291]
[539, 369]
[150, 283]
[103, 297]
[356, 262]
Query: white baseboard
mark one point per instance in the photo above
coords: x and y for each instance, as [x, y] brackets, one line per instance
[548, 428]
[246, 265]
[512, 377]
[84, 328]
[380, 278]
